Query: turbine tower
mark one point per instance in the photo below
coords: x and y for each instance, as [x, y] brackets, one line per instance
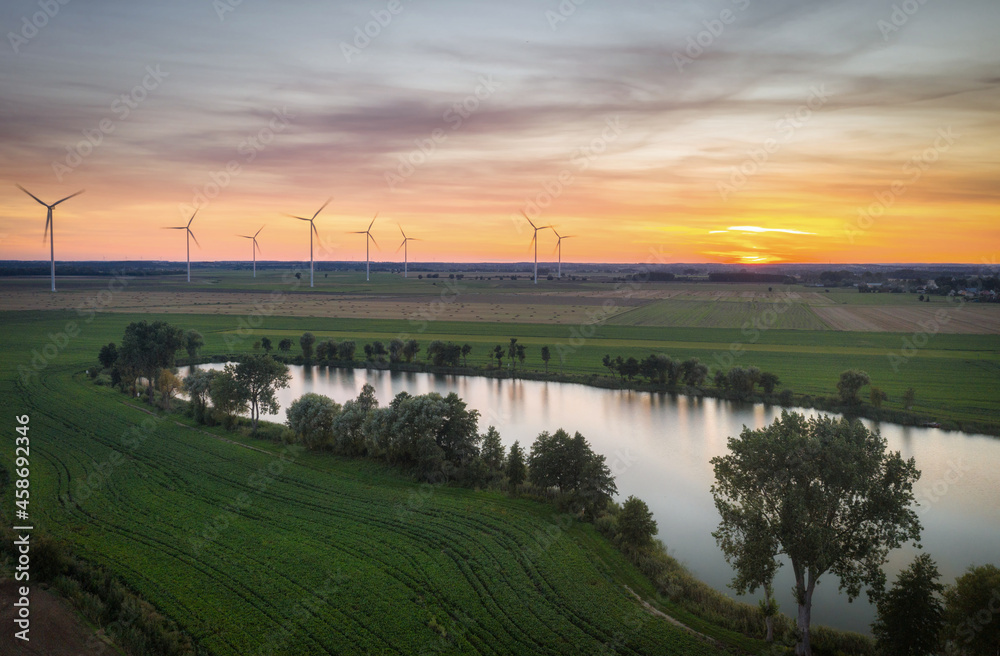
[406, 256]
[368, 259]
[254, 249]
[312, 232]
[50, 229]
[559, 248]
[190, 236]
[534, 241]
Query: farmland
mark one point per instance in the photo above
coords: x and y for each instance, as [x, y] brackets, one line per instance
[254, 545]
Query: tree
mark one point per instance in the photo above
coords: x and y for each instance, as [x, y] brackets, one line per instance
[285, 345]
[311, 416]
[546, 356]
[410, 349]
[721, 379]
[498, 354]
[306, 342]
[193, 341]
[608, 363]
[823, 492]
[149, 347]
[516, 469]
[629, 368]
[396, 346]
[768, 381]
[908, 398]
[168, 384]
[910, 615]
[636, 524]
[108, 355]
[520, 354]
[466, 350]
[877, 396]
[972, 611]
[259, 377]
[512, 352]
[345, 351]
[227, 396]
[265, 343]
[492, 450]
[850, 384]
[198, 385]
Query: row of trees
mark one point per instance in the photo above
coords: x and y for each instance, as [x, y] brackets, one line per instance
[148, 351]
[437, 438]
[663, 370]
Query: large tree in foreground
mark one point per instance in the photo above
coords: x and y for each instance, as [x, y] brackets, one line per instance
[821, 491]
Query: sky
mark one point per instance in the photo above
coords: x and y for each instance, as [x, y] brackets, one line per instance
[746, 131]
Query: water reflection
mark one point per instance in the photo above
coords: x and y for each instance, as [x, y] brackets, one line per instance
[660, 445]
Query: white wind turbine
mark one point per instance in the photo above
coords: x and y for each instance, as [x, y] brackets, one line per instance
[559, 248]
[312, 232]
[368, 260]
[254, 250]
[190, 236]
[50, 228]
[406, 256]
[534, 240]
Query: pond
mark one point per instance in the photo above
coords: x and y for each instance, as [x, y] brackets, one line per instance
[659, 447]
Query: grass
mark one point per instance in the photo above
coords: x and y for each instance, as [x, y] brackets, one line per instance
[310, 553]
[706, 314]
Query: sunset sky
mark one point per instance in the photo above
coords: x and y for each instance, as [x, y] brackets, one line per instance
[732, 131]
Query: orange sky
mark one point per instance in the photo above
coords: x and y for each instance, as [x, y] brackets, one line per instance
[830, 145]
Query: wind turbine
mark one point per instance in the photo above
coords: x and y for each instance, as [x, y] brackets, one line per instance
[559, 248]
[405, 249]
[254, 249]
[190, 236]
[534, 240]
[312, 232]
[50, 226]
[368, 232]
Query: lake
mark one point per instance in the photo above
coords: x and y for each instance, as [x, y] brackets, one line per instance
[659, 446]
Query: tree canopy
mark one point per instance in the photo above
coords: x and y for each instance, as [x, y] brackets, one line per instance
[822, 491]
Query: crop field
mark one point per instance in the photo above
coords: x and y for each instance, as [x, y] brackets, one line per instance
[722, 314]
[252, 545]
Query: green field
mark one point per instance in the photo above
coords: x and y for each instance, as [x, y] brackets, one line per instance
[720, 314]
[308, 553]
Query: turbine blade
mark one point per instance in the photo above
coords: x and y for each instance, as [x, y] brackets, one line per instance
[528, 220]
[324, 206]
[48, 222]
[31, 194]
[373, 221]
[192, 218]
[245, 236]
[554, 230]
[175, 228]
[401, 246]
[300, 218]
[258, 232]
[373, 239]
[193, 237]
[315, 231]
[256, 246]
[68, 197]
[401, 230]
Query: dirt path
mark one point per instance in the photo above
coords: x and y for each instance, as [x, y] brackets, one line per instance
[56, 629]
[674, 621]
